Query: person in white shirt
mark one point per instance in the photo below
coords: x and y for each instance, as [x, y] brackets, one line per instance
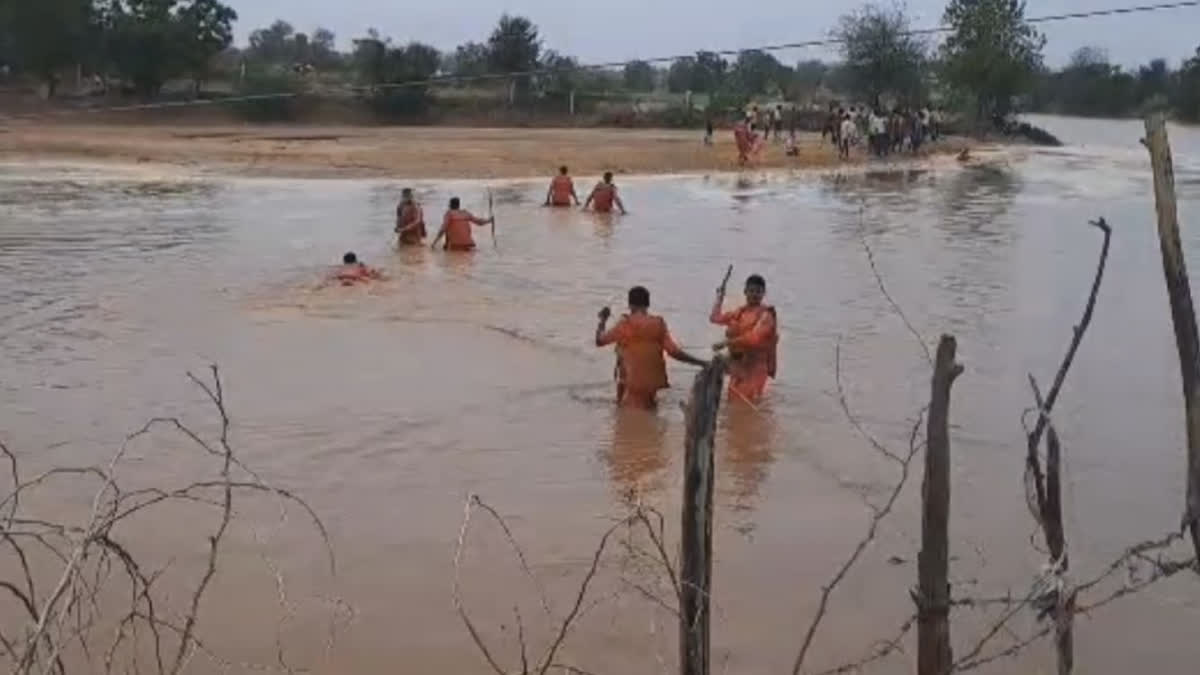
[846, 136]
[878, 130]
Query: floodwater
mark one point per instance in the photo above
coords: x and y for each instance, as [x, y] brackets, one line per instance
[385, 406]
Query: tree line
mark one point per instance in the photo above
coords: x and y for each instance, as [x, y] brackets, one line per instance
[988, 66]
[1090, 85]
[144, 42]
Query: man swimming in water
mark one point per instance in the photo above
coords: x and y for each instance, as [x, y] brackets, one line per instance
[353, 272]
[456, 228]
[604, 195]
[641, 339]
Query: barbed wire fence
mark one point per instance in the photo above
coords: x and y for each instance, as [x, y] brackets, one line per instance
[85, 597]
[1011, 621]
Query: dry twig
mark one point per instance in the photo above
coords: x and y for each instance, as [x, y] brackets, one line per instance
[91, 555]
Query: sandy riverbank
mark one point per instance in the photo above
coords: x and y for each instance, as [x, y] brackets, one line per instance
[427, 152]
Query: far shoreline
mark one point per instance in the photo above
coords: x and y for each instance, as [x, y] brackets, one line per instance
[428, 153]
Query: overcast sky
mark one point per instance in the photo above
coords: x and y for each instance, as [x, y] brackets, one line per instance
[607, 30]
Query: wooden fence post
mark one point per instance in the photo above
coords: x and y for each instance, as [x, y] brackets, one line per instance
[1183, 315]
[934, 654]
[696, 531]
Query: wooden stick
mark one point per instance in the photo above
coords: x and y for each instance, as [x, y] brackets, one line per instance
[1183, 315]
[492, 217]
[934, 655]
[696, 531]
[725, 281]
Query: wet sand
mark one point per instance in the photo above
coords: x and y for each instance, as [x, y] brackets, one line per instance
[410, 152]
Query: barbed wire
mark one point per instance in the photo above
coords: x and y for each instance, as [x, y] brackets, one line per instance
[607, 65]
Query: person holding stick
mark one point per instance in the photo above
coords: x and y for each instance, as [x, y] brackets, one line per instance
[751, 336]
[641, 339]
[456, 228]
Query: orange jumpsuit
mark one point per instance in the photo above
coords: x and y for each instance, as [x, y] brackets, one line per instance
[406, 215]
[561, 188]
[458, 230]
[353, 273]
[603, 197]
[641, 340]
[752, 336]
[744, 140]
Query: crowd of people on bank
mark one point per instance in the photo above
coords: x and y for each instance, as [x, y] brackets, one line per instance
[884, 132]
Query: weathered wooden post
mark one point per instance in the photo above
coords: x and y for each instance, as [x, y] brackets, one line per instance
[1056, 541]
[934, 655]
[1183, 314]
[696, 533]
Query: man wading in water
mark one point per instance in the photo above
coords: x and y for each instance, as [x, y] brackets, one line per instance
[456, 228]
[410, 220]
[641, 339]
[751, 336]
[604, 195]
[562, 190]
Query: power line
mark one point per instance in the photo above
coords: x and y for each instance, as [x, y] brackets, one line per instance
[1052, 18]
[444, 79]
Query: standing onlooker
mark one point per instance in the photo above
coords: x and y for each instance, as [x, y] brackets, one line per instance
[708, 130]
[877, 126]
[846, 136]
[777, 120]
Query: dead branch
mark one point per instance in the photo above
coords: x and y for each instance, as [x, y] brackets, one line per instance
[1034, 438]
[862, 238]
[546, 662]
[92, 557]
[878, 514]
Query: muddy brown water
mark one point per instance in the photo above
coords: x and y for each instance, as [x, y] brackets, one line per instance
[385, 406]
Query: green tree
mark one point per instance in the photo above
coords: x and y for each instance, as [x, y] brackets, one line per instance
[757, 72]
[881, 54]
[323, 50]
[274, 45]
[1154, 81]
[370, 58]
[398, 75]
[1091, 85]
[991, 55]
[514, 47]
[638, 76]
[468, 60]
[43, 37]
[562, 72]
[1187, 91]
[206, 29]
[679, 75]
[807, 77]
[708, 75]
[144, 42]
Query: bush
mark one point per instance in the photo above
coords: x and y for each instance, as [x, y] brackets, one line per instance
[270, 108]
[398, 104]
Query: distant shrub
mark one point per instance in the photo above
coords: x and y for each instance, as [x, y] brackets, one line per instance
[279, 92]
